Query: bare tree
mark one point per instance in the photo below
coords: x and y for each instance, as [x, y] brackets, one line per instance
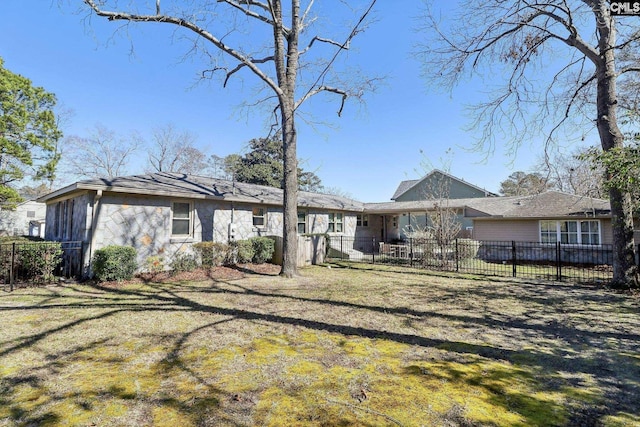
[573, 173]
[102, 154]
[442, 224]
[277, 36]
[586, 54]
[523, 184]
[335, 191]
[220, 167]
[174, 151]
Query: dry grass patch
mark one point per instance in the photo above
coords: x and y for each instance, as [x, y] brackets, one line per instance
[373, 346]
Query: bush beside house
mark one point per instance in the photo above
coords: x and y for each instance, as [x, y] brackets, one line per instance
[32, 260]
[114, 263]
[214, 254]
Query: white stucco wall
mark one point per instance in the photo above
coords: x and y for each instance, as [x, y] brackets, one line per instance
[145, 222]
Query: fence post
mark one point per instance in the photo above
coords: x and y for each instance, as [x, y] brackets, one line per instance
[80, 269]
[341, 249]
[13, 261]
[558, 262]
[411, 251]
[457, 257]
[373, 250]
[513, 257]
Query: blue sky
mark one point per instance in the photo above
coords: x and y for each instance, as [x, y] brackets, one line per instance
[366, 152]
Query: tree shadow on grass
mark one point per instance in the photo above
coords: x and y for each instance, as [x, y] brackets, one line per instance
[96, 381]
[180, 298]
[547, 363]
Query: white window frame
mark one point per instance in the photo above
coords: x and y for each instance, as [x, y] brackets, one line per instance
[189, 219]
[576, 233]
[362, 220]
[255, 215]
[335, 225]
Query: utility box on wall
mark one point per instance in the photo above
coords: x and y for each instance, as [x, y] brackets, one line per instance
[233, 230]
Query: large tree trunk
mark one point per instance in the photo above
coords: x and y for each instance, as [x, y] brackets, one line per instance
[290, 214]
[624, 268]
[287, 70]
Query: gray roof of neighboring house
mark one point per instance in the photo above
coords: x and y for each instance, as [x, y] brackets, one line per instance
[405, 186]
[198, 187]
[546, 205]
[415, 205]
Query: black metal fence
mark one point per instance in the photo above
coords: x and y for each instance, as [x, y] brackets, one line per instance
[32, 263]
[532, 260]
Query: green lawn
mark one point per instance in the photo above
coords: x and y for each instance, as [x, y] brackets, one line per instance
[362, 346]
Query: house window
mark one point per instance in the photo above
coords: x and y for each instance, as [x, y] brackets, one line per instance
[302, 222]
[181, 219]
[590, 232]
[259, 217]
[63, 220]
[570, 232]
[335, 223]
[57, 218]
[362, 221]
[548, 232]
[31, 214]
[68, 220]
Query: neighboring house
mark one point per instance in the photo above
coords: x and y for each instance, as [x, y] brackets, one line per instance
[438, 185]
[577, 223]
[165, 213]
[547, 217]
[27, 219]
[413, 198]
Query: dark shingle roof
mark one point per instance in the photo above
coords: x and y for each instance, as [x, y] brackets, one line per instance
[544, 205]
[414, 205]
[550, 204]
[403, 187]
[198, 187]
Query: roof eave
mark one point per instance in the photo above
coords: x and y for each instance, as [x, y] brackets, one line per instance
[80, 186]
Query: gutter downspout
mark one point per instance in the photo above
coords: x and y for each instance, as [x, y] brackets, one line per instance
[94, 218]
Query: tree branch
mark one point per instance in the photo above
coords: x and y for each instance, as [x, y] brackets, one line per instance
[323, 88]
[242, 65]
[630, 69]
[252, 14]
[113, 16]
[325, 40]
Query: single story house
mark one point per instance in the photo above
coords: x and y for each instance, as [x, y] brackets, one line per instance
[27, 219]
[165, 213]
[547, 217]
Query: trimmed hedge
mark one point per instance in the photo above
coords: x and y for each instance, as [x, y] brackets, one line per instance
[263, 249]
[244, 251]
[114, 263]
[212, 254]
[183, 262]
[39, 260]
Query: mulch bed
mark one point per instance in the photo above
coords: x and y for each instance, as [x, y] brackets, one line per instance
[217, 273]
